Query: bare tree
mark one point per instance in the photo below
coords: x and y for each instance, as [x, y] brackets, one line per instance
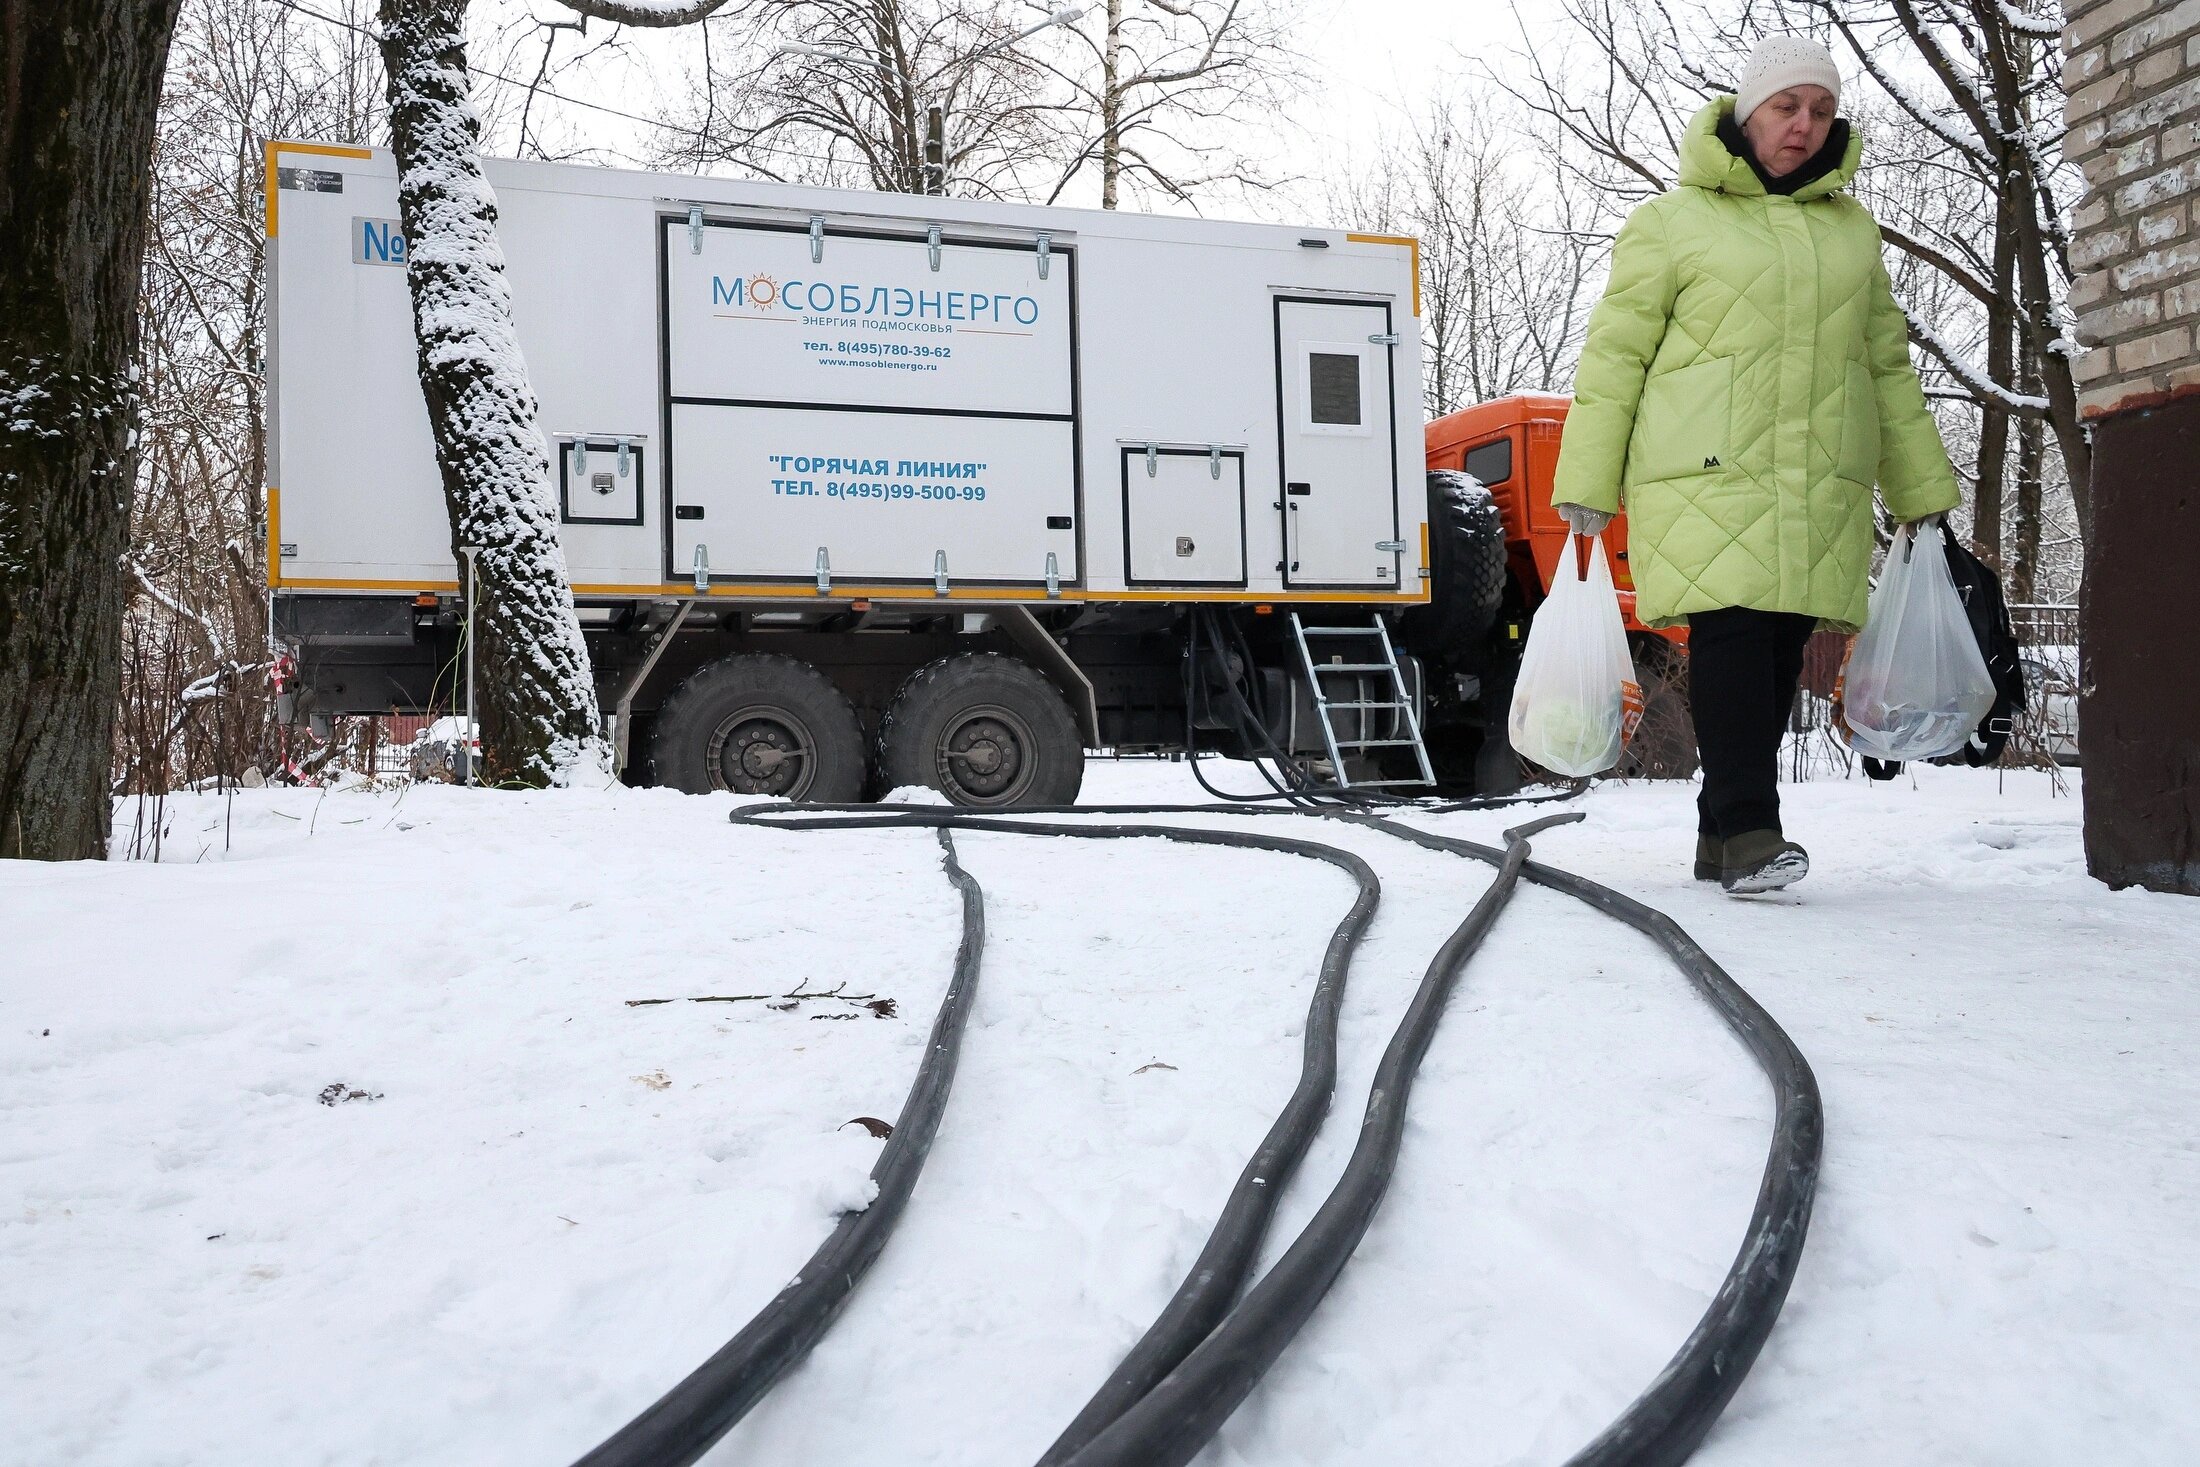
[1158, 81]
[79, 91]
[1507, 250]
[853, 107]
[195, 689]
[537, 711]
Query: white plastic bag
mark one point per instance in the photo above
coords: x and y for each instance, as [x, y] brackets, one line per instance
[1576, 702]
[1916, 684]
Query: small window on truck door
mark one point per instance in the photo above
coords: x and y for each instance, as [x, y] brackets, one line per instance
[1491, 463]
[1333, 388]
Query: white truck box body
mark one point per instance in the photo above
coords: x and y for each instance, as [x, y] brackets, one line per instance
[781, 380]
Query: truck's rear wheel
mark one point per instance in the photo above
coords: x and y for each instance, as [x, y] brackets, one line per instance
[759, 724]
[984, 730]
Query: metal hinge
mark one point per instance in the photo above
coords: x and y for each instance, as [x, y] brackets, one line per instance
[1384, 338]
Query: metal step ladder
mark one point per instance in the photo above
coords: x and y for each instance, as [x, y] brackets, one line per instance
[1371, 640]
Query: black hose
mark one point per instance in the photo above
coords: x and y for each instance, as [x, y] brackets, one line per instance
[1667, 1422]
[683, 1424]
[687, 1419]
[1170, 1423]
[1200, 1358]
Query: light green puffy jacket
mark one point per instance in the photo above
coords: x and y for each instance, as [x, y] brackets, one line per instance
[1745, 381]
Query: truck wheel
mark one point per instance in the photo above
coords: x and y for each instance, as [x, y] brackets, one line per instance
[758, 724]
[983, 730]
[1466, 569]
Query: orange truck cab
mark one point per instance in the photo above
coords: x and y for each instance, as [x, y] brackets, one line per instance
[1511, 446]
[1510, 543]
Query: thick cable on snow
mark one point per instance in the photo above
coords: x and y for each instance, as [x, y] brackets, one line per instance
[687, 1419]
[1201, 1357]
[1668, 1421]
[1174, 1420]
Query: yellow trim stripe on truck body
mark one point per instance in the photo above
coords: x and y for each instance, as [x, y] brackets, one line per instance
[681, 591]
[1413, 245]
[322, 150]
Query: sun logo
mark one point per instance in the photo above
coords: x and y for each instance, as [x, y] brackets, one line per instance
[763, 290]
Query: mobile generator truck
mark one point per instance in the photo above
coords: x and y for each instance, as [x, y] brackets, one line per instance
[861, 490]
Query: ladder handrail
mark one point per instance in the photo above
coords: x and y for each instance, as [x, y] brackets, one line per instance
[1325, 707]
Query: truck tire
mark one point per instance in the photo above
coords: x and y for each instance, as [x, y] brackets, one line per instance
[984, 730]
[1466, 568]
[759, 724]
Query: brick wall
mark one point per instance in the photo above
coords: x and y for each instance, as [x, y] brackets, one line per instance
[2132, 71]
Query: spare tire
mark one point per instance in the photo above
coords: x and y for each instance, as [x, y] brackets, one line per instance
[1466, 568]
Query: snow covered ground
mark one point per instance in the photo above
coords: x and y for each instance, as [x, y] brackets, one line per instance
[336, 1139]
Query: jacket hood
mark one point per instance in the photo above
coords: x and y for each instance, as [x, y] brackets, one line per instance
[1706, 162]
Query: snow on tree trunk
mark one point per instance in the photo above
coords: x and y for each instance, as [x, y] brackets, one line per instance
[535, 693]
[79, 89]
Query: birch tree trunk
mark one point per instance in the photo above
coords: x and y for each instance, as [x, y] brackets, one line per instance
[535, 693]
[1111, 108]
[79, 90]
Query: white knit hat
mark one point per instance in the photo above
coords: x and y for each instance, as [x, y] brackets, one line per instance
[1780, 62]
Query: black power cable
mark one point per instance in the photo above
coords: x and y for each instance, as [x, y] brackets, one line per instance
[1172, 1418]
[687, 1419]
[684, 1423]
[1202, 1357]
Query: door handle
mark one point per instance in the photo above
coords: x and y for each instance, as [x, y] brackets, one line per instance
[1291, 530]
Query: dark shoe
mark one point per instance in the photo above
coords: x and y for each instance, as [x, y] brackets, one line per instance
[1762, 860]
[1710, 858]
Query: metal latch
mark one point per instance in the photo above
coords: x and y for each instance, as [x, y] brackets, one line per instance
[1054, 575]
[1153, 460]
[932, 245]
[702, 566]
[695, 229]
[1046, 244]
[824, 572]
[939, 573]
[1384, 338]
[817, 239]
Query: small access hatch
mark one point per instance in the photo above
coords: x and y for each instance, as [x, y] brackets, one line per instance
[1184, 515]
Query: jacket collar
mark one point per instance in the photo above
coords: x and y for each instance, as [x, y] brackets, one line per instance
[1707, 163]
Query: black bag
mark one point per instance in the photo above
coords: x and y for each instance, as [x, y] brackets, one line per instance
[1988, 610]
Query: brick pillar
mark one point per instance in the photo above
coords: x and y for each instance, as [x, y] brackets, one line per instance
[2133, 77]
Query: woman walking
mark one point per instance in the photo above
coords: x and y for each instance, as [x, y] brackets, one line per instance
[1745, 382]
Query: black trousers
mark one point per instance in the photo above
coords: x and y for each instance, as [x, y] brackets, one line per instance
[1743, 667]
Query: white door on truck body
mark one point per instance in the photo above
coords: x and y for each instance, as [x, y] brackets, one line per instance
[867, 404]
[1339, 450]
